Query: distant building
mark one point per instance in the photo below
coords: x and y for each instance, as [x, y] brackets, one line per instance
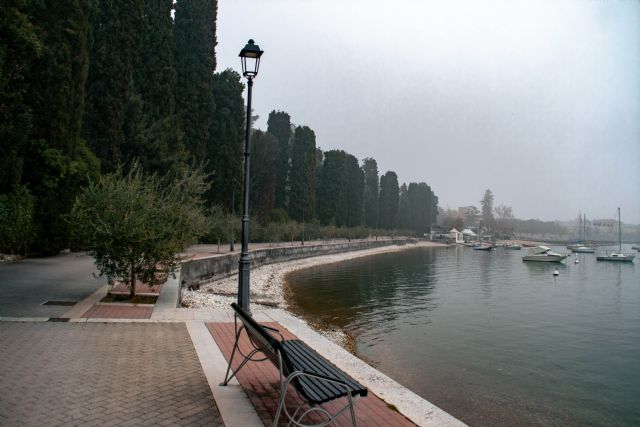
[456, 236]
[463, 211]
[468, 235]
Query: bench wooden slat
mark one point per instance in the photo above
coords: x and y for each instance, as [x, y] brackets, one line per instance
[304, 358]
[307, 360]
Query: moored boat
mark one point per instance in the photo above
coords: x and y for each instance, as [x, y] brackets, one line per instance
[618, 256]
[543, 254]
[583, 249]
[484, 247]
[513, 247]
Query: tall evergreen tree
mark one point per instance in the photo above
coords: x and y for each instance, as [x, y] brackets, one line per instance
[20, 48]
[354, 186]
[264, 156]
[421, 204]
[152, 131]
[331, 208]
[57, 161]
[279, 125]
[195, 36]
[487, 209]
[371, 186]
[117, 30]
[340, 190]
[302, 197]
[404, 220]
[389, 199]
[224, 153]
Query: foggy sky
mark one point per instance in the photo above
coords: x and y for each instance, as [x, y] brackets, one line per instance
[538, 101]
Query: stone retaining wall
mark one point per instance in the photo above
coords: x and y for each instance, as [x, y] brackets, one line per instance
[220, 266]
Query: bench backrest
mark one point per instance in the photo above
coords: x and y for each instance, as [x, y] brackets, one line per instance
[259, 337]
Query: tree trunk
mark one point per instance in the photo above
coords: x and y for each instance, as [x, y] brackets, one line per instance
[132, 290]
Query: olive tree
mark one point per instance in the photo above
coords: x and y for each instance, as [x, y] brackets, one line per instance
[135, 224]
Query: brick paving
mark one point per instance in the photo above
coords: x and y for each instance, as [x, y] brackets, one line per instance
[129, 374]
[115, 311]
[261, 383]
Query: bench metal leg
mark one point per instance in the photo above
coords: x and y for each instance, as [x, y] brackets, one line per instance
[228, 378]
[284, 383]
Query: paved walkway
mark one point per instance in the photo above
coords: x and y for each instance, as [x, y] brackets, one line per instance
[142, 374]
[99, 365]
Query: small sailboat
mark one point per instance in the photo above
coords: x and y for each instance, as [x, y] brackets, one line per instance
[617, 256]
[581, 246]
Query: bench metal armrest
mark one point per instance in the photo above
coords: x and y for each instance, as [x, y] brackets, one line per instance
[269, 328]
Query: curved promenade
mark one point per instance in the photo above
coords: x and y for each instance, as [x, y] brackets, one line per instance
[89, 367]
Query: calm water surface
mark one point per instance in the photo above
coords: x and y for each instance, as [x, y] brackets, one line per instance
[487, 337]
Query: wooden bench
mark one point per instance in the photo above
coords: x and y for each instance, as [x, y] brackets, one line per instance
[314, 378]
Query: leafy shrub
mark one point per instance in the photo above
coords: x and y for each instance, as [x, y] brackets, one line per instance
[17, 230]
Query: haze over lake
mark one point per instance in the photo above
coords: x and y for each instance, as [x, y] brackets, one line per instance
[537, 100]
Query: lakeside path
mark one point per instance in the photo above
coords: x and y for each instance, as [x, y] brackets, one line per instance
[268, 281]
[41, 387]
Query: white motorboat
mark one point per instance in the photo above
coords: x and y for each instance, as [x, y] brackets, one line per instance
[583, 249]
[543, 254]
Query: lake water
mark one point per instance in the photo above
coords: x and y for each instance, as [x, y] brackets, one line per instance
[487, 337]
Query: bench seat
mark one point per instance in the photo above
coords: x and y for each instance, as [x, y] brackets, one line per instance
[301, 357]
[315, 379]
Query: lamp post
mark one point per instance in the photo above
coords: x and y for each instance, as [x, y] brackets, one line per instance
[250, 57]
[233, 215]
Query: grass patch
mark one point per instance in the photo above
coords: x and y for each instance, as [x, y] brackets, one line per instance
[138, 299]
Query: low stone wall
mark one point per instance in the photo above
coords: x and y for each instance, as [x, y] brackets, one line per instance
[219, 266]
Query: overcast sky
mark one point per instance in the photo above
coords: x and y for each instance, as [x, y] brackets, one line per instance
[537, 100]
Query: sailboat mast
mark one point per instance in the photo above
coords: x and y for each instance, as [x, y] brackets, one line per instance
[619, 232]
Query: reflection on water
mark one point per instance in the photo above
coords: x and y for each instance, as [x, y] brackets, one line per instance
[488, 337]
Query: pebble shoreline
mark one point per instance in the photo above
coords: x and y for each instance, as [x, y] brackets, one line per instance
[267, 283]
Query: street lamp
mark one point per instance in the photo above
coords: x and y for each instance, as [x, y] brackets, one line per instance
[250, 57]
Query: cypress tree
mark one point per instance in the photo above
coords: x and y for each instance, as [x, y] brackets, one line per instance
[354, 194]
[20, 48]
[302, 200]
[279, 125]
[224, 153]
[195, 36]
[403, 208]
[371, 186]
[331, 208]
[389, 199]
[264, 155]
[152, 131]
[340, 190]
[117, 30]
[58, 162]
